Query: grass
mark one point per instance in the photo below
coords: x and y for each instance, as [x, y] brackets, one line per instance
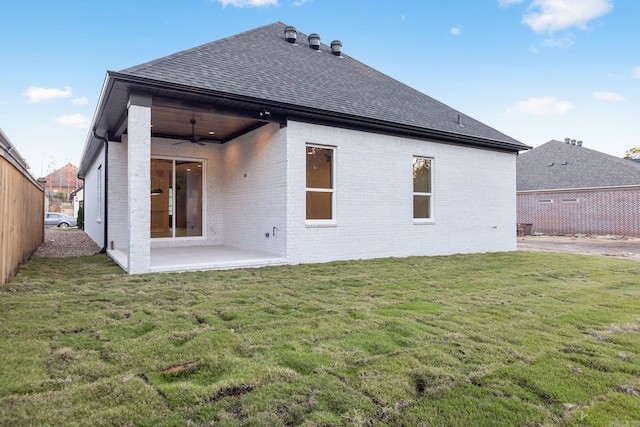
[495, 339]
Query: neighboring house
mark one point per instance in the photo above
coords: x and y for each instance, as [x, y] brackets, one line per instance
[76, 198]
[566, 188]
[59, 186]
[269, 147]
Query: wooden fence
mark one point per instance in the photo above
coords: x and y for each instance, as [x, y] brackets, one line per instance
[21, 212]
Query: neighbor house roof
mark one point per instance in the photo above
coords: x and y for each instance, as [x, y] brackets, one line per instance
[559, 165]
[260, 67]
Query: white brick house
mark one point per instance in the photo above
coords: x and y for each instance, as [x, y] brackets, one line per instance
[226, 156]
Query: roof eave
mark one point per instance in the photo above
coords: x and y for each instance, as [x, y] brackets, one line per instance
[574, 189]
[290, 111]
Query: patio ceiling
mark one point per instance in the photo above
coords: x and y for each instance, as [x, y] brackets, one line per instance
[175, 123]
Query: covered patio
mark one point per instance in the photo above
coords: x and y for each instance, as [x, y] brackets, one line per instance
[201, 258]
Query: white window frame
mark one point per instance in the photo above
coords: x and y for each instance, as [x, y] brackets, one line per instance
[99, 194]
[174, 238]
[431, 219]
[322, 222]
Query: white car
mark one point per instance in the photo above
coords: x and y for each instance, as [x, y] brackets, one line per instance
[56, 219]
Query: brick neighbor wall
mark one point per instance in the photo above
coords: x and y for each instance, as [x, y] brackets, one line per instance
[600, 212]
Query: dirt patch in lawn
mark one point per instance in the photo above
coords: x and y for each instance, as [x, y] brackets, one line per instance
[611, 246]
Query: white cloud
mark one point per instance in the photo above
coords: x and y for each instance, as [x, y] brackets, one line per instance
[299, 3]
[542, 106]
[79, 101]
[248, 3]
[507, 3]
[636, 72]
[38, 94]
[456, 31]
[77, 121]
[562, 43]
[547, 16]
[608, 96]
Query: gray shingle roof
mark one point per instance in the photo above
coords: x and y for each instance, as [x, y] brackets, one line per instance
[558, 165]
[260, 65]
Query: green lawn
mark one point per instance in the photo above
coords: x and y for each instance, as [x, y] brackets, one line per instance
[494, 339]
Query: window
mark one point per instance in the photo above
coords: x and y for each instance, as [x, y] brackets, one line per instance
[320, 186]
[422, 188]
[176, 198]
[99, 194]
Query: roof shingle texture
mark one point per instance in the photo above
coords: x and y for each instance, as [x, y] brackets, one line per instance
[259, 64]
[544, 168]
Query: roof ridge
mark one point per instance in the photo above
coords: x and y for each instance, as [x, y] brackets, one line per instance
[172, 56]
[602, 155]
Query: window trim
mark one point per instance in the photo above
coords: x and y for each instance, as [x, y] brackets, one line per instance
[431, 219]
[100, 196]
[174, 238]
[322, 222]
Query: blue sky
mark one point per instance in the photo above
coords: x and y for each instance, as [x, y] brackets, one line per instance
[534, 69]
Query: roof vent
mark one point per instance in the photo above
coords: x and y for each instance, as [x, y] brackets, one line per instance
[579, 143]
[459, 121]
[314, 41]
[573, 142]
[567, 140]
[336, 47]
[290, 34]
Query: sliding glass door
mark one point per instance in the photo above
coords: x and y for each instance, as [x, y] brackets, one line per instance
[176, 198]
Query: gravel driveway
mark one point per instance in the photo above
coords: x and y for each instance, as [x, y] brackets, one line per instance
[612, 246]
[66, 243]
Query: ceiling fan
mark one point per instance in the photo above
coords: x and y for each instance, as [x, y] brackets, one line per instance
[193, 138]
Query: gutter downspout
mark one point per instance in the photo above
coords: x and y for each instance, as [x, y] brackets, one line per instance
[106, 187]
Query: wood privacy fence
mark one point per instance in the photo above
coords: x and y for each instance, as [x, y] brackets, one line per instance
[21, 212]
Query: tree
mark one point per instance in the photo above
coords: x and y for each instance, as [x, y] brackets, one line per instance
[80, 219]
[632, 153]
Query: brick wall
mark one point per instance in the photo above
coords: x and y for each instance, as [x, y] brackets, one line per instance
[93, 223]
[254, 183]
[605, 211]
[473, 190]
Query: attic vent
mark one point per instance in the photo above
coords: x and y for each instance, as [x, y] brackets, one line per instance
[573, 142]
[567, 140]
[290, 34]
[336, 47]
[314, 41]
[579, 143]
